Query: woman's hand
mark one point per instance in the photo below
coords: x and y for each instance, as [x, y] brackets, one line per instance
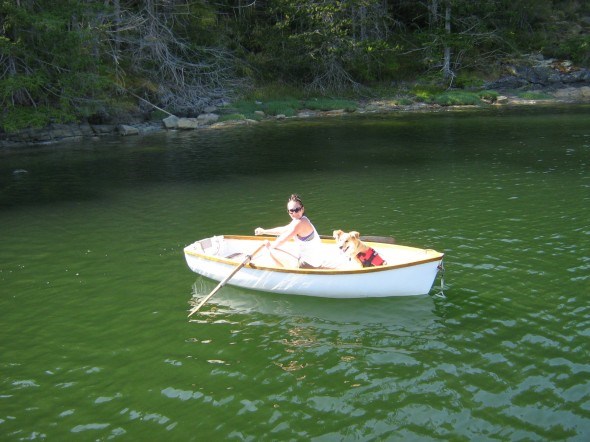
[259, 231]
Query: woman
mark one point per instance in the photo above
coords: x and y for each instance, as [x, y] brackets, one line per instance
[301, 230]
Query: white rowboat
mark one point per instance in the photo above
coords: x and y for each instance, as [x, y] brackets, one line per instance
[409, 270]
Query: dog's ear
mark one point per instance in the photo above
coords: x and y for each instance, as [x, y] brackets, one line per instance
[337, 233]
[354, 234]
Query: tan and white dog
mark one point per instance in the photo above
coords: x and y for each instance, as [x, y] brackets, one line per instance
[357, 251]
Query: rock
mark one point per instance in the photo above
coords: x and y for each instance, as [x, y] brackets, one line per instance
[187, 123]
[582, 76]
[128, 130]
[562, 65]
[536, 72]
[207, 118]
[565, 93]
[102, 129]
[210, 109]
[86, 130]
[59, 131]
[335, 112]
[573, 93]
[38, 136]
[170, 122]
[508, 82]
[261, 113]
[222, 102]
[149, 127]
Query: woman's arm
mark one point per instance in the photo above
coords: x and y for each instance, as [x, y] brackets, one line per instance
[273, 231]
[285, 233]
[289, 232]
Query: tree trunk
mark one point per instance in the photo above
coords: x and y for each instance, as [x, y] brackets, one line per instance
[433, 14]
[363, 20]
[117, 8]
[447, 72]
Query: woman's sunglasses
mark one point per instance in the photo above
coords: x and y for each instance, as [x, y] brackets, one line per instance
[295, 210]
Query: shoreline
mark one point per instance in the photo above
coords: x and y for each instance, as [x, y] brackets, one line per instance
[60, 133]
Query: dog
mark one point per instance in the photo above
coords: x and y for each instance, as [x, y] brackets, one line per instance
[357, 251]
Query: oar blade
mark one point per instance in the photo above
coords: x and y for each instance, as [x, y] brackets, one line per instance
[222, 283]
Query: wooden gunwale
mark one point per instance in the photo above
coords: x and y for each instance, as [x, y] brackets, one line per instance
[227, 261]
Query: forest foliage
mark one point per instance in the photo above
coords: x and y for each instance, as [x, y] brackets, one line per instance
[72, 60]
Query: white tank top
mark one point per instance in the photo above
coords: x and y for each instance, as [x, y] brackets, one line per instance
[309, 247]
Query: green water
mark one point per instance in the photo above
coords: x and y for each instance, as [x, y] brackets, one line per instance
[94, 290]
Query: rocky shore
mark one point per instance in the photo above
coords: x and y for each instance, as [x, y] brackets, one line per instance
[558, 80]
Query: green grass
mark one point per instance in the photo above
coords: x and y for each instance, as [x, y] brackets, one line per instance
[534, 96]
[426, 92]
[241, 110]
[404, 101]
[18, 118]
[287, 107]
[457, 98]
[275, 92]
[231, 117]
[247, 108]
[328, 104]
[268, 102]
[491, 96]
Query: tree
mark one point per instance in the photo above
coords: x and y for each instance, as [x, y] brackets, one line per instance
[66, 59]
[324, 43]
[448, 73]
[50, 53]
[461, 35]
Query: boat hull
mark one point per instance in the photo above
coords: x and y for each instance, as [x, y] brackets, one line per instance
[404, 278]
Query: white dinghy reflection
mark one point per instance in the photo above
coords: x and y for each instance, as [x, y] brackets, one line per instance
[410, 313]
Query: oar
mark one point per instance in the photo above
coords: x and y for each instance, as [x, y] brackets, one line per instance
[381, 239]
[369, 238]
[222, 283]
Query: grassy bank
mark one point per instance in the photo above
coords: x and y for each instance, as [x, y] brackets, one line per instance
[279, 100]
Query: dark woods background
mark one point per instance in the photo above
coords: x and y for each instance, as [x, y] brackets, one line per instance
[67, 60]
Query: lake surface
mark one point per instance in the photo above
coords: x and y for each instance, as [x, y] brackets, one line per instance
[94, 290]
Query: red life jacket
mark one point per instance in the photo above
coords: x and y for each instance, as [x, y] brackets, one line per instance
[370, 258]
